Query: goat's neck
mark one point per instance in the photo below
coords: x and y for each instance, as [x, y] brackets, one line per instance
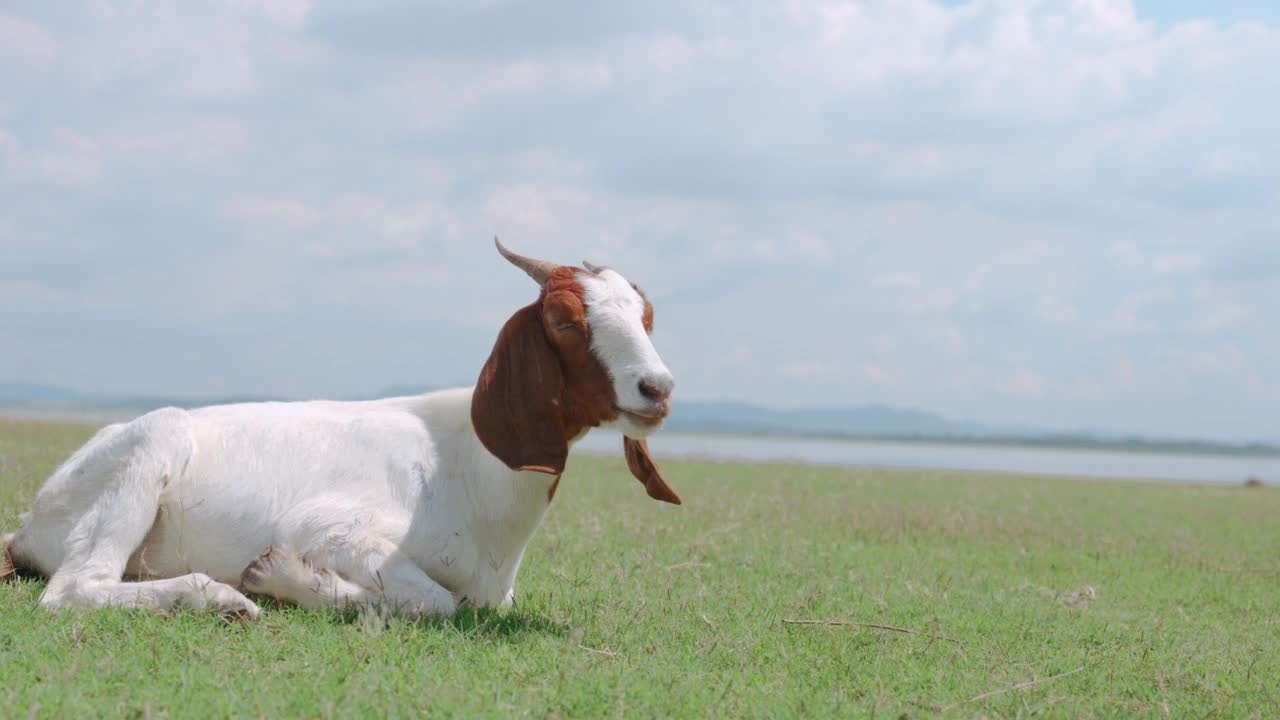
[499, 506]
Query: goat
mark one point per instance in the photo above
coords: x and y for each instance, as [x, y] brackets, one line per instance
[418, 503]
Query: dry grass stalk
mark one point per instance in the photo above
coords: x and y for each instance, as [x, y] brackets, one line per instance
[869, 626]
[1020, 686]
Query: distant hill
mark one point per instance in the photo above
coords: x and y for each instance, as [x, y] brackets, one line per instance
[862, 421]
[19, 394]
[870, 422]
[880, 422]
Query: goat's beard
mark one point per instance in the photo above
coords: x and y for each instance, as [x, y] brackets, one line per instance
[635, 428]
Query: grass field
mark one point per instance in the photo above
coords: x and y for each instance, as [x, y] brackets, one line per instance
[630, 608]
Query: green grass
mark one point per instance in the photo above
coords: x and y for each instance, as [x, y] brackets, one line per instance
[682, 609]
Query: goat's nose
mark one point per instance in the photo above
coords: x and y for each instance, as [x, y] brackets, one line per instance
[657, 389]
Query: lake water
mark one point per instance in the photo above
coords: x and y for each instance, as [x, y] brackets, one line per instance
[987, 458]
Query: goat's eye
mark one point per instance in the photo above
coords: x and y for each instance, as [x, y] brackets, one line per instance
[567, 326]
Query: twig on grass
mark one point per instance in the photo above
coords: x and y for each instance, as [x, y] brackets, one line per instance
[869, 626]
[1249, 571]
[1164, 693]
[727, 528]
[1020, 686]
[688, 565]
[927, 706]
[606, 653]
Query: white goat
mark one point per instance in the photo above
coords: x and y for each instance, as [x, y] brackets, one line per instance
[421, 503]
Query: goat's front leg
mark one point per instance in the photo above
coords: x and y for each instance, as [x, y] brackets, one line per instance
[354, 577]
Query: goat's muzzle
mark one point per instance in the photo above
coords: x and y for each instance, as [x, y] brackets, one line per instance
[649, 418]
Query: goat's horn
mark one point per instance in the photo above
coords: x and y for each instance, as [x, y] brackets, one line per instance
[592, 267]
[539, 270]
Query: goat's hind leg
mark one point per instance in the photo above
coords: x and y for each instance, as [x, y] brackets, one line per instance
[380, 578]
[96, 510]
[7, 568]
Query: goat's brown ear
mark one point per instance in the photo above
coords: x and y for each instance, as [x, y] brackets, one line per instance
[516, 406]
[646, 471]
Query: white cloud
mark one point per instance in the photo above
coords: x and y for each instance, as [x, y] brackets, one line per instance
[104, 9]
[204, 141]
[540, 214]
[1026, 383]
[1006, 210]
[72, 157]
[25, 40]
[292, 213]
[1213, 312]
[1134, 316]
[808, 370]
[1177, 262]
[22, 292]
[1054, 309]
[439, 99]
[1227, 360]
[897, 280]
[930, 299]
[348, 224]
[219, 73]
[291, 13]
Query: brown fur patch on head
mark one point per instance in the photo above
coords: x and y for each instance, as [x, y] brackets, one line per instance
[542, 386]
[647, 318]
[589, 397]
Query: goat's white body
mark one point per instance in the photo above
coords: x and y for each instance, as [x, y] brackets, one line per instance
[382, 486]
[327, 503]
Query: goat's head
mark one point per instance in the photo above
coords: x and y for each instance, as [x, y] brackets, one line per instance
[577, 358]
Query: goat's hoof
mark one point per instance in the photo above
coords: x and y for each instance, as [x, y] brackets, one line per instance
[234, 607]
[441, 605]
[240, 615]
[276, 568]
[258, 574]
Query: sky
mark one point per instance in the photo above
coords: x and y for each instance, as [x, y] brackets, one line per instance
[1063, 213]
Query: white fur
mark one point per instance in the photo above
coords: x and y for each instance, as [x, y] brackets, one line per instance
[615, 314]
[316, 503]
